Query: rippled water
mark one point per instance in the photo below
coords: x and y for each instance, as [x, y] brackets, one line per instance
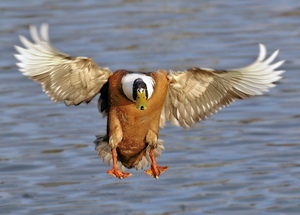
[243, 160]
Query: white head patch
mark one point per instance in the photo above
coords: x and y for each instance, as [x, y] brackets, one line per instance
[127, 84]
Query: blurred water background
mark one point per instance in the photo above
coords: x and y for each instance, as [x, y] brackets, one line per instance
[243, 160]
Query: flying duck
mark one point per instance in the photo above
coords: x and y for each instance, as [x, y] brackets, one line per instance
[137, 104]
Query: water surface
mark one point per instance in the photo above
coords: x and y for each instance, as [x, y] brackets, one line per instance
[243, 160]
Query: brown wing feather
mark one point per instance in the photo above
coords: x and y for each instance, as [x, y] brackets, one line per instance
[63, 77]
[198, 93]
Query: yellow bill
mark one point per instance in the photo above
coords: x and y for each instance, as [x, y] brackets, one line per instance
[141, 100]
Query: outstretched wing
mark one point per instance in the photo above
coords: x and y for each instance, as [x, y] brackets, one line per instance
[63, 77]
[198, 93]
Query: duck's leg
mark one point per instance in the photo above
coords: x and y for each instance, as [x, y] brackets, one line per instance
[115, 171]
[115, 137]
[155, 170]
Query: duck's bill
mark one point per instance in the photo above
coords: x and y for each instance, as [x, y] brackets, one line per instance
[141, 100]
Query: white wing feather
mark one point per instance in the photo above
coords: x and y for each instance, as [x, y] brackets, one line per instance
[63, 77]
[199, 92]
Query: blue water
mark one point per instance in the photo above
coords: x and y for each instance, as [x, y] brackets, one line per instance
[243, 160]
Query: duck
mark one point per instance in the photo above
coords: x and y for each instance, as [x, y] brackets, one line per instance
[138, 104]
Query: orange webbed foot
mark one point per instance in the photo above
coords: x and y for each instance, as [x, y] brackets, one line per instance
[155, 171]
[115, 171]
[118, 173]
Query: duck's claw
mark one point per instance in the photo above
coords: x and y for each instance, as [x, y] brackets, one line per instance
[155, 171]
[115, 171]
[118, 173]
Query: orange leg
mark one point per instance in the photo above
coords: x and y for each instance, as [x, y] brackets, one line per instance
[115, 171]
[155, 171]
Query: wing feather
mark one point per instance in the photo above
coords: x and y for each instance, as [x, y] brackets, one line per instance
[197, 93]
[64, 78]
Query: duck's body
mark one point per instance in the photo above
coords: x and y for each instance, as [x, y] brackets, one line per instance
[138, 104]
[130, 130]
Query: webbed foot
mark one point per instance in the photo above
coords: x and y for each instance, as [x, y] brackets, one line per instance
[118, 173]
[155, 171]
[115, 171]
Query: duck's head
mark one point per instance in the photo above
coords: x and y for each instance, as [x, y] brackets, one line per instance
[138, 88]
